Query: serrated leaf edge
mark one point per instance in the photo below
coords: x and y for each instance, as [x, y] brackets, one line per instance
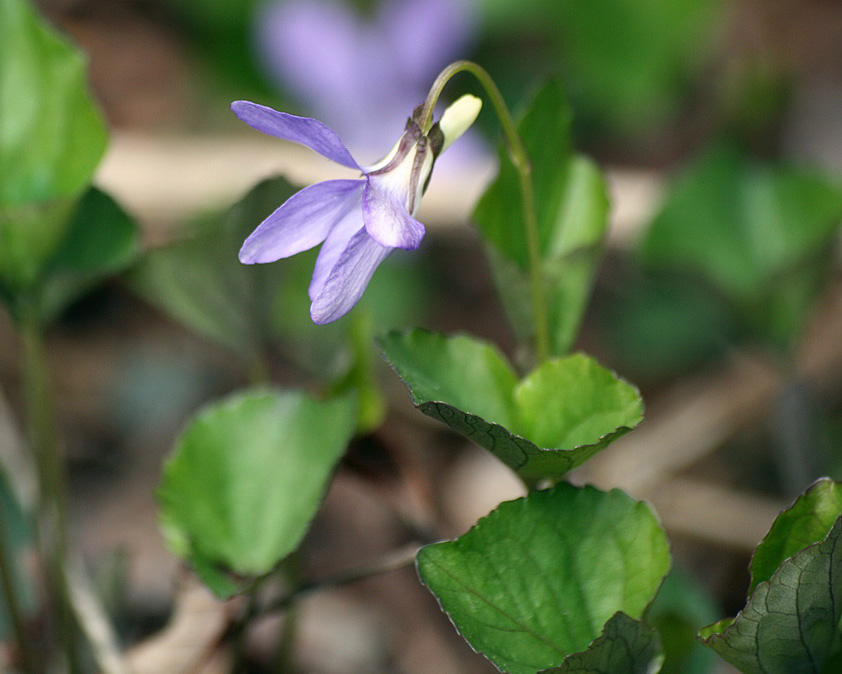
[519, 439]
[483, 523]
[425, 405]
[706, 640]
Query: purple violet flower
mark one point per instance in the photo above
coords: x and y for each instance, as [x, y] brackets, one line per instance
[360, 74]
[361, 220]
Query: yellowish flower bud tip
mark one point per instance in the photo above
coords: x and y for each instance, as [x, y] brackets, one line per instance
[458, 117]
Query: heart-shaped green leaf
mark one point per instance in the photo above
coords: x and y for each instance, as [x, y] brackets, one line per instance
[101, 240]
[625, 645]
[629, 61]
[571, 206]
[51, 140]
[805, 522]
[661, 324]
[246, 478]
[561, 414]
[791, 621]
[741, 222]
[18, 539]
[536, 580]
[201, 283]
[759, 233]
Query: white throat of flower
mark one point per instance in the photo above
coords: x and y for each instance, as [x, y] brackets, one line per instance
[406, 169]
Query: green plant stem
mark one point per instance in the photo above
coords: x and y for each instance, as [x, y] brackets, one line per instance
[795, 442]
[520, 160]
[237, 633]
[43, 440]
[285, 654]
[290, 570]
[391, 561]
[257, 371]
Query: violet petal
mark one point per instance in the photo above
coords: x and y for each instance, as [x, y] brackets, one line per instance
[327, 79]
[304, 130]
[386, 218]
[348, 279]
[335, 243]
[302, 221]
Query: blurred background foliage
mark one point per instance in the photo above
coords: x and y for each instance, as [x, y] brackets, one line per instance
[733, 105]
[720, 93]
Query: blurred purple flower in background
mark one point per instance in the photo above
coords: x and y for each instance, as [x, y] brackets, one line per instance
[361, 220]
[343, 67]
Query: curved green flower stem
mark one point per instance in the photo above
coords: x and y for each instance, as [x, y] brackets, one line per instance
[43, 440]
[520, 160]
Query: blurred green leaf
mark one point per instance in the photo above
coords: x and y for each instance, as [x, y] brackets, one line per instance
[245, 479]
[343, 353]
[536, 580]
[101, 240]
[741, 223]
[223, 34]
[17, 536]
[658, 325]
[553, 420]
[805, 522]
[759, 233]
[360, 377]
[51, 140]
[29, 235]
[759, 95]
[629, 63]
[200, 282]
[545, 131]
[625, 645]
[397, 296]
[632, 59]
[791, 621]
[501, 15]
[572, 212]
[52, 136]
[682, 604]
